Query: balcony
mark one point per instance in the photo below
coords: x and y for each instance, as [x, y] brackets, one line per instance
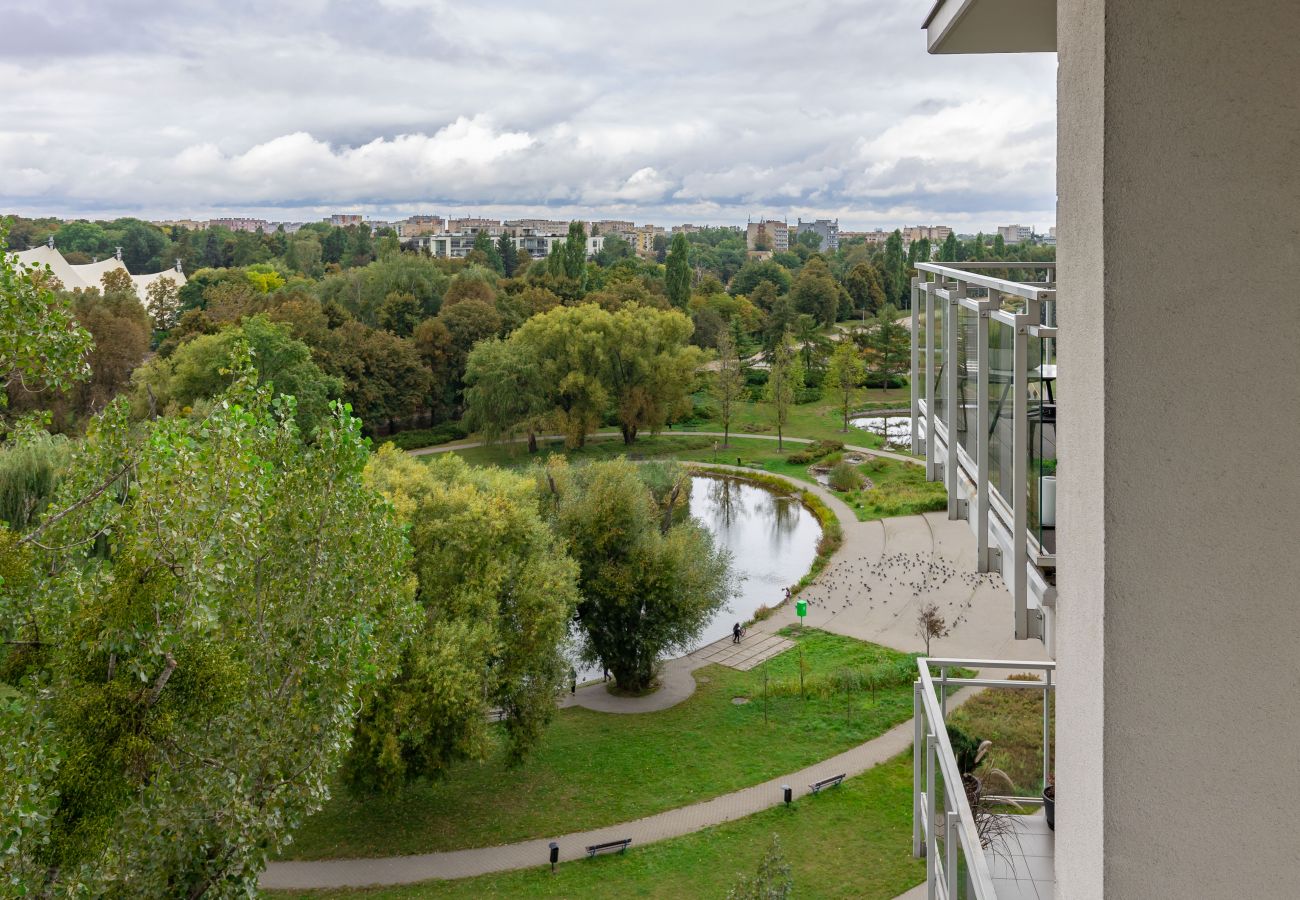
[996, 849]
[984, 412]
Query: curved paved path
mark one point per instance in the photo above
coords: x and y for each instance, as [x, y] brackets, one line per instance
[337, 873]
[871, 590]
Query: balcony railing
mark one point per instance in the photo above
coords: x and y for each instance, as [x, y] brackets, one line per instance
[984, 409]
[945, 831]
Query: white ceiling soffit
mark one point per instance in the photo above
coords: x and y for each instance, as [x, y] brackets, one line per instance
[991, 26]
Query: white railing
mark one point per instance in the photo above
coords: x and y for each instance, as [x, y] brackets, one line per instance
[932, 755]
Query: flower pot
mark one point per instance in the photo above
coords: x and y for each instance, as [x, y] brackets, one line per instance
[1049, 805]
[1047, 512]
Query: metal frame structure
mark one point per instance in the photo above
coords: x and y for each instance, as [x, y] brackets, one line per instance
[999, 520]
[932, 755]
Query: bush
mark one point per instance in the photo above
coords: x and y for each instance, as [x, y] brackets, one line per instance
[845, 477]
[756, 377]
[428, 437]
[808, 395]
[815, 451]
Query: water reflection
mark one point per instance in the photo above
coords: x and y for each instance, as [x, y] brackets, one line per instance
[896, 430]
[772, 540]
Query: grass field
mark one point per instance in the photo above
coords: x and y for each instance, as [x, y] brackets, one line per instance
[851, 841]
[1013, 720]
[593, 769]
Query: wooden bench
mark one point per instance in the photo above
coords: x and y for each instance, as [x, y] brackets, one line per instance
[608, 847]
[825, 783]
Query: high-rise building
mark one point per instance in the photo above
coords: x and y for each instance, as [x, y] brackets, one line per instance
[827, 229]
[768, 234]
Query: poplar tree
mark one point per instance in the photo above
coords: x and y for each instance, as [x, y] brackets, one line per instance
[785, 379]
[677, 277]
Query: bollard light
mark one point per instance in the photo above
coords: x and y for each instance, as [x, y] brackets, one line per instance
[555, 855]
[788, 793]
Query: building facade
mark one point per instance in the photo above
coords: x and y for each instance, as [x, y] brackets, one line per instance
[827, 229]
[768, 234]
[1016, 234]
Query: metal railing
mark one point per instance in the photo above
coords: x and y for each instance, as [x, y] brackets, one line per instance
[955, 372]
[958, 851]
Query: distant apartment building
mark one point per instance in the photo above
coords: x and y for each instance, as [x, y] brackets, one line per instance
[768, 234]
[414, 226]
[935, 234]
[611, 226]
[457, 245]
[1016, 234]
[538, 226]
[192, 224]
[343, 220]
[871, 238]
[827, 229]
[237, 223]
[472, 225]
[642, 238]
[688, 228]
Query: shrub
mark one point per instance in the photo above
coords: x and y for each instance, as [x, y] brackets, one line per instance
[428, 437]
[845, 477]
[815, 451]
[763, 612]
[756, 377]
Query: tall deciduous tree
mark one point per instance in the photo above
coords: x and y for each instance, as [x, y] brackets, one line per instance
[575, 254]
[496, 593]
[863, 285]
[729, 384]
[815, 292]
[677, 272]
[162, 302]
[887, 347]
[648, 586]
[844, 375]
[200, 612]
[784, 381]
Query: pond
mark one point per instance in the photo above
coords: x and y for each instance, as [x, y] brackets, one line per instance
[772, 540]
[896, 430]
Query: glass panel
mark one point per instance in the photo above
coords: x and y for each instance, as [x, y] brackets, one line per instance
[1042, 441]
[940, 385]
[1001, 407]
[967, 377]
[922, 358]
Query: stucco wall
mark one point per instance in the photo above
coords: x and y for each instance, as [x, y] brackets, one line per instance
[1179, 618]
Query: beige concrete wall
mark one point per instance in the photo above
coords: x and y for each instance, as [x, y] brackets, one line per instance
[1179, 620]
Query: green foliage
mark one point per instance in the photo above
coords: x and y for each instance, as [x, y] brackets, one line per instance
[214, 598]
[30, 470]
[965, 748]
[784, 382]
[729, 383]
[845, 477]
[815, 292]
[677, 273]
[755, 272]
[648, 587]
[415, 438]
[496, 593]
[815, 451]
[575, 254]
[206, 366]
[845, 375]
[41, 344]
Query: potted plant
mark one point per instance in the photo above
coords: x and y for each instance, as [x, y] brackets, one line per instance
[1049, 801]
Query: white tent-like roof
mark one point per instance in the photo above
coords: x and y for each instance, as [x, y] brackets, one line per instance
[90, 275]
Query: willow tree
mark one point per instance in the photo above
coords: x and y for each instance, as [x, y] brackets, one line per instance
[649, 580]
[496, 593]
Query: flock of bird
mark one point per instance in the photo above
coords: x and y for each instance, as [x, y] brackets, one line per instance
[871, 581]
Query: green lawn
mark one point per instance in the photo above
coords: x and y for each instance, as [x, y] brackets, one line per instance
[821, 419]
[899, 489]
[850, 841]
[593, 769]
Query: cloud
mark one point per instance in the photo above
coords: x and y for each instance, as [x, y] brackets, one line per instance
[711, 111]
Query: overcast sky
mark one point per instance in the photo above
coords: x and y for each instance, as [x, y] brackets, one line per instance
[702, 111]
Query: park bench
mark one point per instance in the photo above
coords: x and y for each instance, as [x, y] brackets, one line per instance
[825, 783]
[608, 847]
